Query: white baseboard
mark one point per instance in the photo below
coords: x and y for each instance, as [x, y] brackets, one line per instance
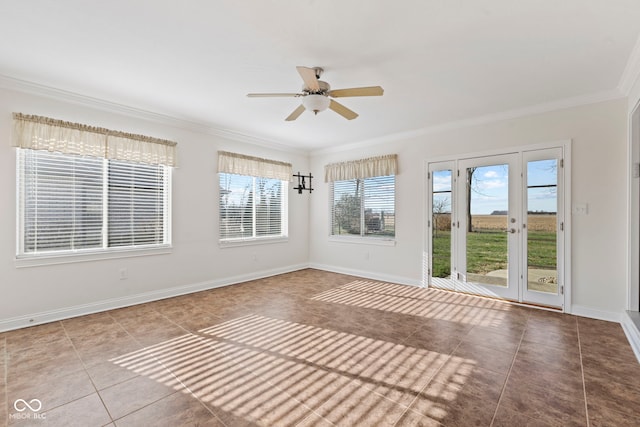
[368, 274]
[110, 304]
[632, 331]
[594, 313]
[630, 328]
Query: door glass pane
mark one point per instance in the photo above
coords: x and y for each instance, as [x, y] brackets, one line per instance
[542, 208]
[441, 222]
[487, 224]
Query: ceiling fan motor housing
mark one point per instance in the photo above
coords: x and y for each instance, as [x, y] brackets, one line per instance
[324, 88]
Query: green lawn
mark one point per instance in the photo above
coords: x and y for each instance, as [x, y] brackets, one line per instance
[542, 250]
[486, 251]
[441, 254]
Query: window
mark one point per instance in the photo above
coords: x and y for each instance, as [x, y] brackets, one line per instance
[253, 198]
[252, 208]
[137, 201]
[364, 207]
[70, 203]
[363, 196]
[83, 189]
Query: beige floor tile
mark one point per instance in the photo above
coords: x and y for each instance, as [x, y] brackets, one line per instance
[450, 407]
[51, 391]
[413, 419]
[106, 374]
[136, 393]
[485, 357]
[316, 348]
[508, 418]
[604, 395]
[177, 409]
[87, 411]
[354, 405]
[540, 403]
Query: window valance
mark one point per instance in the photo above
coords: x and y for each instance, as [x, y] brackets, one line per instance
[364, 168]
[43, 133]
[240, 164]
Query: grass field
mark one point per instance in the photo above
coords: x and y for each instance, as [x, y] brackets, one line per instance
[487, 245]
[535, 222]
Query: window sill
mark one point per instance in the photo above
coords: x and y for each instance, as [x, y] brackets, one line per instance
[378, 241]
[85, 256]
[251, 242]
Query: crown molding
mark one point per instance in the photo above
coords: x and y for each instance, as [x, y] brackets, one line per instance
[24, 86]
[480, 120]
[631, 71]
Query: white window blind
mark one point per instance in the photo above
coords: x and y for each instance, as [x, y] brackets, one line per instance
[363, 207]
[137, 203]
[61, 202]
[85, 188]
[70, 203]
[252, 208]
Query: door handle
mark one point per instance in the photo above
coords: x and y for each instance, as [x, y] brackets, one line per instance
[511, 230]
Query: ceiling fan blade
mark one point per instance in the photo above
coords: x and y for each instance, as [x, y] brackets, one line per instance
[342, 110]
[309, 77]
[271, 95]
[357, 91]
[295, 113]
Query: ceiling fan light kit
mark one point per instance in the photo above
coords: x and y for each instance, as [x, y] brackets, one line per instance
[316, 103]
[316, 95]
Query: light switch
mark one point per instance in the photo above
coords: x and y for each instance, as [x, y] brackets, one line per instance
[580, 209]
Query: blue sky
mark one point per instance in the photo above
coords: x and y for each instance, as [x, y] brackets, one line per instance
[490, 187]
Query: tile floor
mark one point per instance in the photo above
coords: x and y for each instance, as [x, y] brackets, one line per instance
[314, 348]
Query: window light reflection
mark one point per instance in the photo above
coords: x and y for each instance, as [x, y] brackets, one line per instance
[275, 372]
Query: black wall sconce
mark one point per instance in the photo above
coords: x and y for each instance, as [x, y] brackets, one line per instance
[302, 183]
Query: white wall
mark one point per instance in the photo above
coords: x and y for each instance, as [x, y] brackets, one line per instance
[634, 95]
[49, 292]
[634, 186]
[599, 178]
[634, 191]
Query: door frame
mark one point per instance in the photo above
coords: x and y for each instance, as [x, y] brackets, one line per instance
[633, 296]
[565, 145]
[532, 296]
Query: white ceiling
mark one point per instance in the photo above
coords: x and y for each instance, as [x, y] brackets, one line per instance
[439, 61]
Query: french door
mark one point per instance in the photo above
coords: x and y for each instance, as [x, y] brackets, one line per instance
[495, 226]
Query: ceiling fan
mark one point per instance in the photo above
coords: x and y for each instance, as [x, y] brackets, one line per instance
[316, 95]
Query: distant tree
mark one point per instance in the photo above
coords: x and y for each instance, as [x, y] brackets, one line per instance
[473, 186]
[440, 208]
[346, 213]
[470, 187]
[246, 219]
